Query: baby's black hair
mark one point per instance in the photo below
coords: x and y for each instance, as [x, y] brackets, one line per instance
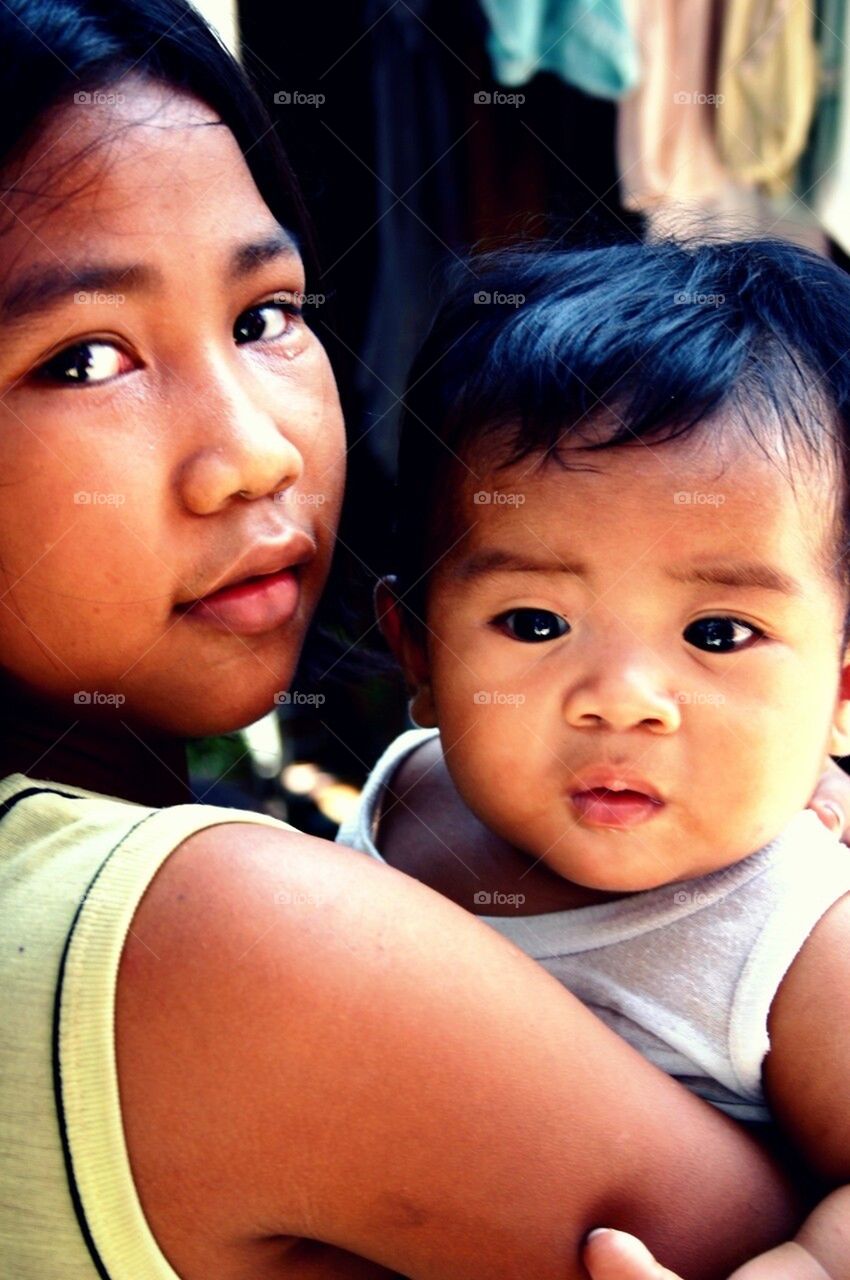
[530, 348]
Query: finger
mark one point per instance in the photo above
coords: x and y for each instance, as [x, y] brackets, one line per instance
[615, 1255]
[831, 801]
[830, 815]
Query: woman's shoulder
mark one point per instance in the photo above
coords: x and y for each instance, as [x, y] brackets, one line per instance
[260, 967]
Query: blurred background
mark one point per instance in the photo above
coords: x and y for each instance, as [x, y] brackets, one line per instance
[420, 130]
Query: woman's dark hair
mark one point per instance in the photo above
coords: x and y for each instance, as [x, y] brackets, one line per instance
[54, 49]
[645, 340]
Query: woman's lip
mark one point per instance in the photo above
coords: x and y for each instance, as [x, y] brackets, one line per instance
[249, 607]
[601, 807]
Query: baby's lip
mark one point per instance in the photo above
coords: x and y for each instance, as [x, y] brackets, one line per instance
[606, 778]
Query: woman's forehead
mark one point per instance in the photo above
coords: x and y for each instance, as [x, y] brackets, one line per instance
[154, 163]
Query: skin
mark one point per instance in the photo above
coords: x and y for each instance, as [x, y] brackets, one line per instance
[624, 679]
[198, 417]
[602, 563]
[297, 1028]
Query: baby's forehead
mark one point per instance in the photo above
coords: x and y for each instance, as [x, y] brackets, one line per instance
[705, 492]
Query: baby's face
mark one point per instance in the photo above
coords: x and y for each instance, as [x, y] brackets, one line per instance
[662, 623]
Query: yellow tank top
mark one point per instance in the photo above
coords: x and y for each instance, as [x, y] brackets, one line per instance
[73, 867]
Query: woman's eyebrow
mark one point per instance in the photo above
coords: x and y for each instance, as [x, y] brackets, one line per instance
[42, 288]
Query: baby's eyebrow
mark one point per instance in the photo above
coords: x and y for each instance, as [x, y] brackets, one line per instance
[742, 575]
[42, 288]
[491, 560]
[752, 574]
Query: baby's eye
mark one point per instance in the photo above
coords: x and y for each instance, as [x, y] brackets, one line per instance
[267, 322]
[720, 635]
[533, 626]
[85, 364]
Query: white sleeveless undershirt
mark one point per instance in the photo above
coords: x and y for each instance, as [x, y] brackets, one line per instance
[686, 972]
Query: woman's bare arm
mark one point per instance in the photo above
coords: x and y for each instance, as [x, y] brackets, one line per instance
[313, 1046]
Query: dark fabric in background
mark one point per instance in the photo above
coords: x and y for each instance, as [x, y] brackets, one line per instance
[402, 168]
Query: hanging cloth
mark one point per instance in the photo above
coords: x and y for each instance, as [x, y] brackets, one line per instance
[589, 43]
[831, 198]
[666, 148]
[767, 85]
[822, 150]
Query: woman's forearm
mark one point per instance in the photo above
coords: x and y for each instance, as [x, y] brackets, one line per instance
[369, 1066]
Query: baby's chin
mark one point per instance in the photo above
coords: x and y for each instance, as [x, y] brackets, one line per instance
[619, 863]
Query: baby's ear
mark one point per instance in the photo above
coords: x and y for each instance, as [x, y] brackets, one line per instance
[839, 743]
[409, 649]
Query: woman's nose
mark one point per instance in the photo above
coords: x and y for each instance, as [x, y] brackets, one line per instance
[624, 693]
[241, 448]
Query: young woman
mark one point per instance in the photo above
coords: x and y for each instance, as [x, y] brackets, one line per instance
[231, 1050]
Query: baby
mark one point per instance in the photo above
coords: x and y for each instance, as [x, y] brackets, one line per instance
[621, 599]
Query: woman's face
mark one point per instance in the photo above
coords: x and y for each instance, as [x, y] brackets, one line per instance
[164, 429]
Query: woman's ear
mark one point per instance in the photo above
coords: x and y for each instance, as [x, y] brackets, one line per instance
[409, 650]
[839, 743]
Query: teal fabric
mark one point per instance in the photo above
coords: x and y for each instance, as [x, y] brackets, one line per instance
[822, 148]
[589, 43]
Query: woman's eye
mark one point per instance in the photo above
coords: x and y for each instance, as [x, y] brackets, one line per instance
[267, 322]
[83, 365]
[533, 626]
[720, 635]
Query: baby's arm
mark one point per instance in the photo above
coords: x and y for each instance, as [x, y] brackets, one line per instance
[806, 1079]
